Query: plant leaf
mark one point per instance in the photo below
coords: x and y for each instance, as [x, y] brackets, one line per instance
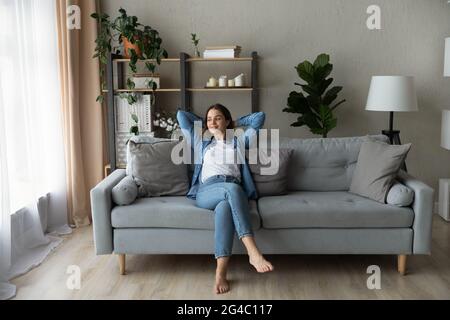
[305, 71]
[314, 102]
[297, 103]
[323, 85]
[311, 121]
[331, 95]
[327, 119]
[321, 60]
[320, 73]
[131, 98]
[309, 89]
[150, 67]
[130, 84]
[337, 104]
[299, 123]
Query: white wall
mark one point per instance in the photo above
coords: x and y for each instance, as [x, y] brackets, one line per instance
[286, 32]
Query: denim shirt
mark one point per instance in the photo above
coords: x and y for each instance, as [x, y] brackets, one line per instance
[198, 145]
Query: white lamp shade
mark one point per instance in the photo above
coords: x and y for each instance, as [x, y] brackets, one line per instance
[445, 130]
[447, 58]
[392, 93]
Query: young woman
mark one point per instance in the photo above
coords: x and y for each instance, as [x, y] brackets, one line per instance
[222, 185]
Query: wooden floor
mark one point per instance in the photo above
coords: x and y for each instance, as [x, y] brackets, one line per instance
[191, 276]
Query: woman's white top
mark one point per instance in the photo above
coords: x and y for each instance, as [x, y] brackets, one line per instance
[220, 159]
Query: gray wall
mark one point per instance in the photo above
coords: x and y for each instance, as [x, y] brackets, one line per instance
[286, 32]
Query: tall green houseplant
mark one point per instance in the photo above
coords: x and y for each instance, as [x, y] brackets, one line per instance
[315, 104]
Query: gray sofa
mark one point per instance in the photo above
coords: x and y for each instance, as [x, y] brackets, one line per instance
[318, 216]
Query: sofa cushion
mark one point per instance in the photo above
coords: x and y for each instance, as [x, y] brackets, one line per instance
[400, 195]
[169, 212]
[154, 171]
[330, 210]
[271, 177]
[378, 165]
[125, 192]
[323, 164]
[139, 139]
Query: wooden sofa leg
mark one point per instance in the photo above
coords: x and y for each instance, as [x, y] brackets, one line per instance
[401, 264]
[122, 264]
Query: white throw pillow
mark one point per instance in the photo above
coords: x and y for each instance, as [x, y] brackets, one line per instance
[400, 195]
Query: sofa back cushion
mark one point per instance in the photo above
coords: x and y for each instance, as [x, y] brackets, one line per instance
[319, 164]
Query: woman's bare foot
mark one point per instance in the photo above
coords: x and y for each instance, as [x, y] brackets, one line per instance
[260, 264]
[222, 285]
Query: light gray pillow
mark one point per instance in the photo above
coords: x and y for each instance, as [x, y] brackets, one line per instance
[271, 179]
[139, 139]
[400, 195]
[377, 166]
[125, 192]
[154, 171]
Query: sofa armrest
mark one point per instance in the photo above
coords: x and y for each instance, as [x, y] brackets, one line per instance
[102, 204]
[423, 212]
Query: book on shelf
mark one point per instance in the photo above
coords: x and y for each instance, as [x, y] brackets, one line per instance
[142, 109]
[224, 47]
[223, 53]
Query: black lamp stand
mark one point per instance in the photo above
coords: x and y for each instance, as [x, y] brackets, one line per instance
[394, 135]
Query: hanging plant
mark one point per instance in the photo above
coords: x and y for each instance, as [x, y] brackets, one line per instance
[135, 127]
[140, 42]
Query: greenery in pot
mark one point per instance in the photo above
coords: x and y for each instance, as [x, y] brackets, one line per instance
[141, 42]
[316, 108]
[195, 42]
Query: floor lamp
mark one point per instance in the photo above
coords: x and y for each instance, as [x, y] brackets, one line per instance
[392, 94]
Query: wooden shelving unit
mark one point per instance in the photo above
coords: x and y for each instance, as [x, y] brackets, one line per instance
[218, 89]
[218, 59]
[143, 90]
[185, 91]
[149, 60]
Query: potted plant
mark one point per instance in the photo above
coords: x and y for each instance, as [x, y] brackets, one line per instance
[316, 108]
[195, 43]
[140, 42]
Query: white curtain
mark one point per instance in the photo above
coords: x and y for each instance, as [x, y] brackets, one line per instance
[32, 174]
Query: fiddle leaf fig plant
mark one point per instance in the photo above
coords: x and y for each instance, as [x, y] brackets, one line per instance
[315, 104]
[140, 42]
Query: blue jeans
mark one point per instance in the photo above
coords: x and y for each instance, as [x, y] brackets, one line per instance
[225, 196]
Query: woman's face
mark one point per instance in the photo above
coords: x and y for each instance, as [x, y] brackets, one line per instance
[215, 121]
